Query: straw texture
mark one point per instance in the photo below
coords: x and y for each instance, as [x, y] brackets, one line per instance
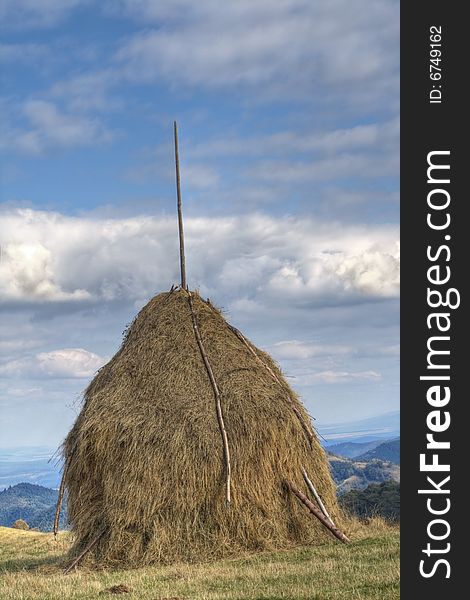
[145, 455]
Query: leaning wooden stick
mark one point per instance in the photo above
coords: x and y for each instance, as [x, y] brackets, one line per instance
[220, 416]
[55, 529]
[87, 549]
[315, 511]
[295, 409]
[180, 209]
[311, 487]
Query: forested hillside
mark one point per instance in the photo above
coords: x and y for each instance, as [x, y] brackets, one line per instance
[34, 504]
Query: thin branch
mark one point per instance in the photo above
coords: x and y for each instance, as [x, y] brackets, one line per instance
[220, 417]
[87, 549]
[180, 209]
[315, 494]
[317, 513]
[60, 497]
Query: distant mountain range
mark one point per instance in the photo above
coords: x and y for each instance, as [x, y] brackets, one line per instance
[353, 449]
[367, 451]
[34, 504]
[388, 451]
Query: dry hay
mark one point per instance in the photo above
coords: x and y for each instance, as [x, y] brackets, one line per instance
[145, 454]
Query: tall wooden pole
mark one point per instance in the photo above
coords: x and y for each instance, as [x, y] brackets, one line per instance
[180, 209]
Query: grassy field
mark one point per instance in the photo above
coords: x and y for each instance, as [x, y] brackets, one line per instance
[31, 565]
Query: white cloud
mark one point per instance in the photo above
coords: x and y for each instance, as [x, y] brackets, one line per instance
[89, 91]
[22, 392]
[74, 363]
[69, 362]
[288, 157]
[15, 345]
[333, 377]
[23, 14]
[375, 135]
[48, 127]
[348, 51]
[23, 53]
[196, 176]
[393, 350]
[200, 176]
[148, 10]
[27, 270]
[286, 46]
[298, 350]
[49, 257]
[333, 168]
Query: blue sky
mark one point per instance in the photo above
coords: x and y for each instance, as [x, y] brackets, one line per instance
[289, 132]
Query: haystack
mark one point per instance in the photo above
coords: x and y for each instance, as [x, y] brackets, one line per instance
[191, 445]
[146, 459]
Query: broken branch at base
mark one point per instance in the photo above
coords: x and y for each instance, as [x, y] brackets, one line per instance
[85, 551]
[317, 513]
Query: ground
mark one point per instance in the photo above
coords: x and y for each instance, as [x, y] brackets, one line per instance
[31, 565]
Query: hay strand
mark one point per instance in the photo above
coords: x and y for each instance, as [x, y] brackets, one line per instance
[180, 208]
[315, 494]
[317, 513]
[220, 416]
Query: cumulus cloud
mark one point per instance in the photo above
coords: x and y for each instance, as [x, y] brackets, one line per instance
[49, 257]
[64, 363]
[69, 362]
[28, 271]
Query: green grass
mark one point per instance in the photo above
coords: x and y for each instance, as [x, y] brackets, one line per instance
[31, 565]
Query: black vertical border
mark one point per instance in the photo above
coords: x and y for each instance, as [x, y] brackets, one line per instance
[427, 127]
